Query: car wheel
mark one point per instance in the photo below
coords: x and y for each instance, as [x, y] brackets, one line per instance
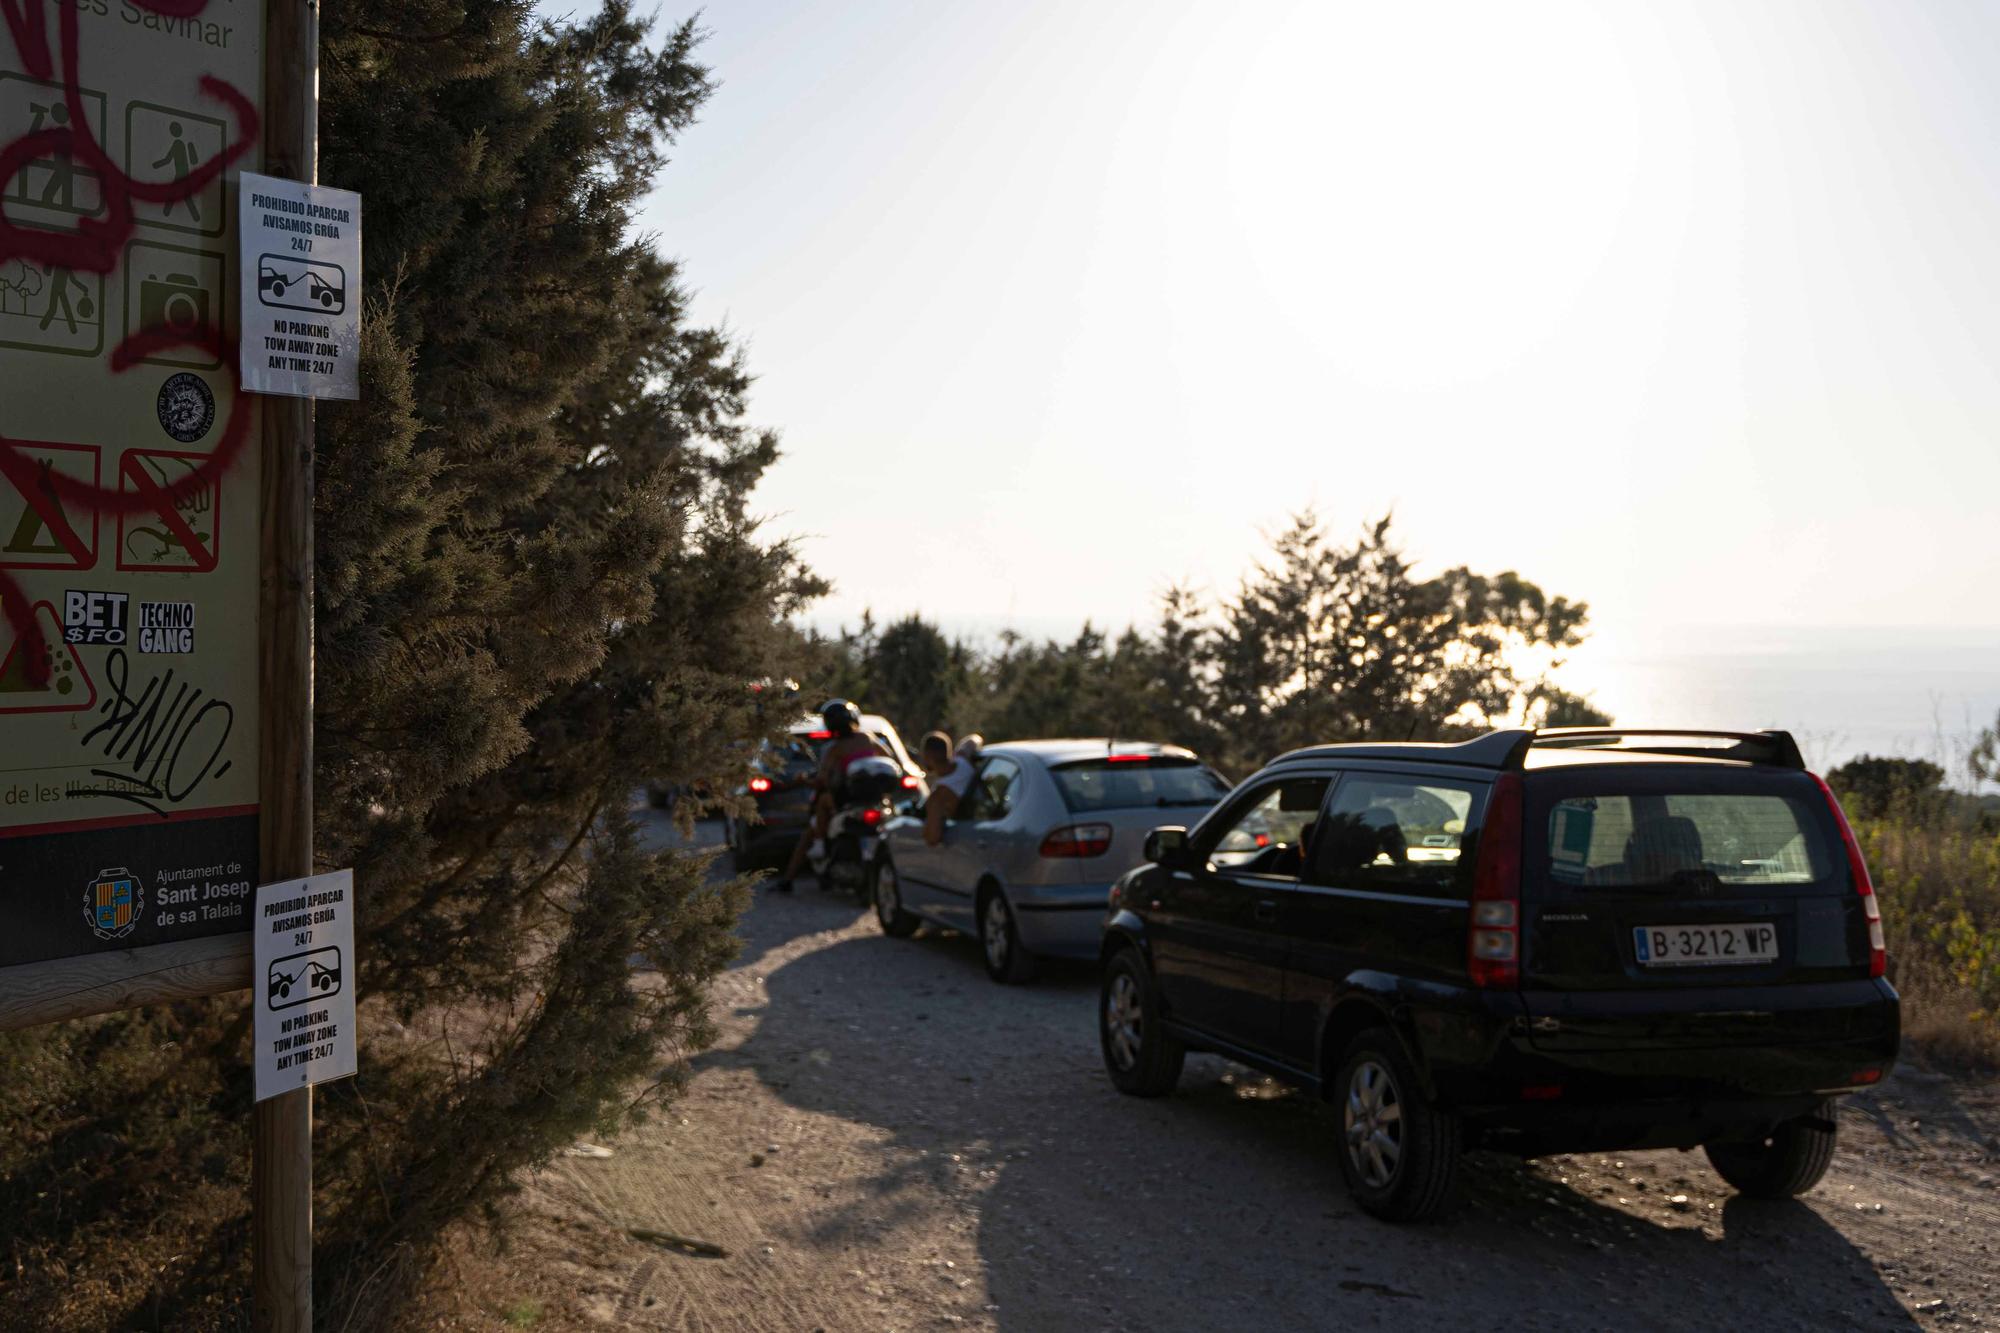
[889, 913]
[1007, 961]
[733, 854]
[1142, 1059]
[1398, 1154]
[1788, 1161]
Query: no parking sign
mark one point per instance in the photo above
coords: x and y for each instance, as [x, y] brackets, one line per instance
[303, 982]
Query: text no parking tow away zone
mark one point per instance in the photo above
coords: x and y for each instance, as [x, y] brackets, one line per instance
[303, 936]
[300, 248]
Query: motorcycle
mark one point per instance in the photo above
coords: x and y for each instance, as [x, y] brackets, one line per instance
[866, 796]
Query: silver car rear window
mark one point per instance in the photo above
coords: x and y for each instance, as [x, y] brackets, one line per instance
[1114, 784]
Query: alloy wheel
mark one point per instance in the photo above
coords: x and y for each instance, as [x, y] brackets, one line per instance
[1123, 1014]
[996, 933]
[1373, 1122]
[888, 898]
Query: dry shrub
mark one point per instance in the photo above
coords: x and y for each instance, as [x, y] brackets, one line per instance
[1939, 881]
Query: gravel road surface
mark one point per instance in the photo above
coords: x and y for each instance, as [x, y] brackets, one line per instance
[884, 1139]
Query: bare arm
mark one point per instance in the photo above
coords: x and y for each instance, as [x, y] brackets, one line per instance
[942, 805]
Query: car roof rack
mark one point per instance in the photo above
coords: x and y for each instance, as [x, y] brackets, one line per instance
[1496, 749]
[1776, 748]
[1509, 748]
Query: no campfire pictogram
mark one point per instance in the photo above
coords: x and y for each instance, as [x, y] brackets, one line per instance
[176, 534]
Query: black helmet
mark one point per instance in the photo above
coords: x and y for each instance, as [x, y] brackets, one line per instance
[841, 717]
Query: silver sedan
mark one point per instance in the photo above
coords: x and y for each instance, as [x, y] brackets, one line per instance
[1028, 863]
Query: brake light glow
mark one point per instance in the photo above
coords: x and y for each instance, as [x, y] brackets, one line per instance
[1493, 945]
[1128, 758]
[1078, 840]
[910, 780]
[872, 816]
[760, 784]
[819, 735]
[1878, 952]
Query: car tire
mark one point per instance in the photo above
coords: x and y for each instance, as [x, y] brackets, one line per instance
[1787, 1162]
[1143, 1059]
[1007, 959]
[737, 858]
[896, 922]
[1398, 1154]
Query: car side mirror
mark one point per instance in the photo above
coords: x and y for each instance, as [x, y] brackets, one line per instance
[1167, 845]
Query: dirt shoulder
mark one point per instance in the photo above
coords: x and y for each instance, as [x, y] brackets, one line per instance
[883, 1139]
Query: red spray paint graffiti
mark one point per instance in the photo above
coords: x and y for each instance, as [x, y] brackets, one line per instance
[94, 247]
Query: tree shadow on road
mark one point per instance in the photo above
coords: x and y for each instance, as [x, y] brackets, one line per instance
[1222, 1206]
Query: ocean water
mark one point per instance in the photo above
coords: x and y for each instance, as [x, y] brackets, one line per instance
[1922, 693]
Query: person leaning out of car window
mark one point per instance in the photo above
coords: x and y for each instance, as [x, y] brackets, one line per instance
[951, 778]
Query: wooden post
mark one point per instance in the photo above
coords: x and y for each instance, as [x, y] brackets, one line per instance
[281, 1153]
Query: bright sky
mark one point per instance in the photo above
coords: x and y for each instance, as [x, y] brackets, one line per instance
[1691, 311]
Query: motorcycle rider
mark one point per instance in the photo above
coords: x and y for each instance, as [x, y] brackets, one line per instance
[849, 743]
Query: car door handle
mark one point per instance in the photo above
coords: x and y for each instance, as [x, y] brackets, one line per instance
[1266, 909]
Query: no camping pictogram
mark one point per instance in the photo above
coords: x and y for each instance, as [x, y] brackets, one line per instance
[174, 534]
[39, 529]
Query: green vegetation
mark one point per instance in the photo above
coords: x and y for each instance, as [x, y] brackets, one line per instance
[1935, 857]
[538, 587]
[1322, 640]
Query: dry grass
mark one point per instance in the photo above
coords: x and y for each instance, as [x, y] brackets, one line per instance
[1939, 881]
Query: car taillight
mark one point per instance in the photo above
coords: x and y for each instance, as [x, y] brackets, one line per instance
[1128, 758]
[872, 816]
[760, 784]
[910, 780]
[1493, 945]
[1878, 952]
[1078, 840]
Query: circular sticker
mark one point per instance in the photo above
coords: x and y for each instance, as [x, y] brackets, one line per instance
[187, 407]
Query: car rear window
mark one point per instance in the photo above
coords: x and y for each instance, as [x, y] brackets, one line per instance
[1123, 784]
[1609, 839]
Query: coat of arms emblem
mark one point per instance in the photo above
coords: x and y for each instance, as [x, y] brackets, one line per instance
[113, 902]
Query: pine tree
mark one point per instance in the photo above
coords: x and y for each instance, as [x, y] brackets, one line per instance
[914, 670]
[539, 586]
[1328, 642]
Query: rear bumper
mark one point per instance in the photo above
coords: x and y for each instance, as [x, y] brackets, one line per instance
[1060, 920]
[1542, 1089]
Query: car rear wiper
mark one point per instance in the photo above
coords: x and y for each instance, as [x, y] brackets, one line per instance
[1705, 883]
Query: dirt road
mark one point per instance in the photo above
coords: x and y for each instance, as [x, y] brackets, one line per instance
[883, 1139]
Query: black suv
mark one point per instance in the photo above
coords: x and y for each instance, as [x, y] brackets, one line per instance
[1556, 941]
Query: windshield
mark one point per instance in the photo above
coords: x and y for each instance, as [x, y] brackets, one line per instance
[1654, 838]
[1118, 784]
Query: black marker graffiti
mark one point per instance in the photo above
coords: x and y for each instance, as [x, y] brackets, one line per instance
[158, 738]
